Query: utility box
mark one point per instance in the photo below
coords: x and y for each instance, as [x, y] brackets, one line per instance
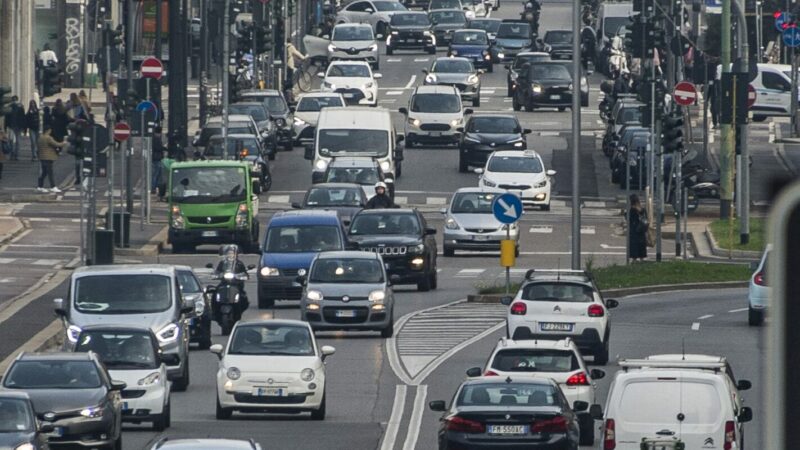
[121, 239]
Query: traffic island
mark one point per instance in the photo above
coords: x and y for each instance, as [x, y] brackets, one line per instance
[723, 238]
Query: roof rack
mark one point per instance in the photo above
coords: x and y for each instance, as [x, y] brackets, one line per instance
[558, 272]
[716, 366]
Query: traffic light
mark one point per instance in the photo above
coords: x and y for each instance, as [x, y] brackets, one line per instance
[672, 133]
[263, 37]
[112, 36]
[634, 40]
[655, 38]
[51, 80]
[290, 6]
[5, 100]
[77, 135]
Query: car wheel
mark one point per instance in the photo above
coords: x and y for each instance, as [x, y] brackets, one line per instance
[160, 423]
[410, 141]
[223, 413]
[388, 50]
[319, 414]
[546, 207]
[586, 424]
[264, 303]
[388, 332]
[180, 384]
[601, 355]
[755, 317]
[477, 100]
[449, 251]
[377, 65]
[424, 285]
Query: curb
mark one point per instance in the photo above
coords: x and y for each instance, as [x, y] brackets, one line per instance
[151, 248]
[19, 227]
[724, 253]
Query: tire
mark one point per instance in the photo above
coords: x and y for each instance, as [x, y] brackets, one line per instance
[399, 169]
[601, 354]
[529, 106]
[264, 303]
[546, 207]
[319, 414]
[424, 285]
[586, 424]
[755, 317]
[476, 101]
[182, 383]
[223, 413]
[449, 251]
[388, 332]
[389, 51]
[162, 422]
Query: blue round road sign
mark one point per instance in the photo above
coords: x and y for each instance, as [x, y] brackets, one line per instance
[147, 105]
[791, 37]
[507, 208]
[781, 19]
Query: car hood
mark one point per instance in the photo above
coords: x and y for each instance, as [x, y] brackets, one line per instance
[288, 260]
[309, 117]
[64, 400]
[155, 321]
[560, 46]
[131, 377]
[348, 82]
[467, 48]
[344, 45]
[497, 138]
[351, 289]
[251, 365]
[449, 77]
[410, 28]
[374, 240]
[447, 26]
[512, 42]
[484, 221]
[516, 178]
[14, 439]
[430, 117]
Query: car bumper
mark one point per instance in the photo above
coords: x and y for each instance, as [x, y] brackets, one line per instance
[443, 38]
[199, 236]
[409, 269]
[561, 54]
[758, 296]
[356, 315]
[477, 60]
[84, 432]
[198, 327]
[587, 339]
[370, 57]
[432, 136]
[464, 240]
[298, 395]
[530, 197]
[454, 440]
[279, 288]
[285, 135]
[143, 405]
[561, 99]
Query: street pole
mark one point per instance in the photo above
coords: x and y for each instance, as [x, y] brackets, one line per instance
[743, 194]
[726, 133]
[795, 110]
[109, 124]
[226, 56]
[677, 161]
[203, 60]
[576, 135]
[628, 207]
[157, 48]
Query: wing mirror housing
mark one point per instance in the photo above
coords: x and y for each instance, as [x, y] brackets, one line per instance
[468, 111]
[430, 231]
[321, 74]
[580, 405]
[437, 405]
[377, 76]
[187, 306]
[612, 303]
[394, 279]
[171, 359]
[217, 350]
[473, 372]
[745, 414]
[118, 385]
[597, 374]
[297, 205]
[403, 111]
[527, 131]
[478, 170]
[58, 306]
[551, 173]
[327, 350]
[743, 385]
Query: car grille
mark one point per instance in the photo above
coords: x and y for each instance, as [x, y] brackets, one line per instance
[434, 127]
[355, 51]
[349, 299]
[514, 187]
[361, 314]
[209, 220]
[481, 230]
[281, 290]
[132, 393]
[558, 89]
[410, 35]
[288, 400]
[289, 272]
[357, 95]
[400, 250]
[307, 133]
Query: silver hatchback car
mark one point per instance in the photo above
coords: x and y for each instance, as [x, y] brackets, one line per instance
[469, 223]
[348, 290]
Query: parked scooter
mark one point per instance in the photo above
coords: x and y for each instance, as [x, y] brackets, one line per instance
[229, 300]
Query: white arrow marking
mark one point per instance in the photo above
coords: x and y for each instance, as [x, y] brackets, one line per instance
[510, 210]
[606, 246]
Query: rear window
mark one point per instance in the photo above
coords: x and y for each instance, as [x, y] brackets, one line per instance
[659, 403]
[533, 360]
[508, 394]
[558, 292]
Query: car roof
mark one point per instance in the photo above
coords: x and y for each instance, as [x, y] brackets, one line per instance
[231, 118]
[418, 13]
[161, 269]
[17, 395]
[270, 92]
[479, 190]
[387, 211]
[203, 444]
[248, 103]
[355, 254]
[335, 186]
[436, 89]
[498, 115]
[516, 153]
[352, 25]
[486, 19]
[561, 344]
[244, 323]
[304, 217]
[532, 54]
[471, 30]
[215, 163]
[450, 58]
[319, 94]
[349, 117]
[353, 161]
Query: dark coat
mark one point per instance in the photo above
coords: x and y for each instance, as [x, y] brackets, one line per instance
[15, 119]
[32, 120]
[60, 122]
[637, 234]
[380, 202]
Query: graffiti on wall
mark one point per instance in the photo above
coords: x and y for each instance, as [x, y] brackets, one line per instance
[74, 52]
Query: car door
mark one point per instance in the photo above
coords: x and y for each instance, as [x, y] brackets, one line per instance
[429, 239]
[358, 12]
[775, 92]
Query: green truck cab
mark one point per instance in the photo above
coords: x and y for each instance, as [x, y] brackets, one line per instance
[212, 202]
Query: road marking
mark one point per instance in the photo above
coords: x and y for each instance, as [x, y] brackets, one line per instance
[469, 273]
[389, 101]
[707, 316]
[738, 310]
[394, 93]
[411, 81]
[278, 199]
[393, 59]
[588, 230]
[401, 200]
[508, 100]
[416, 418]
[544, 229]
[696, 326]
[7, 260]
[593, 204]
[435, 200]
[38, 219]
[396, 418]
[487, 91]
[421, 59]
[549, 133]
[46, 262]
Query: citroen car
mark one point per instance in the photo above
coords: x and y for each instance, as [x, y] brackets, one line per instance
[458, 72]
[486, 133]
[473, 45]
[410, 30]
[354, 41]
[434, 115]
[354, 80]
[521, 173]
[469, 223]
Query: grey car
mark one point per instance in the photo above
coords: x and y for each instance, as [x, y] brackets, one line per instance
[458, 72]
[348, 290]
[345, 198]
[470, 224]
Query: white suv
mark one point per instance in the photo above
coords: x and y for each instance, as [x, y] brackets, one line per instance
[559, 360]
[759, 292]
[558, 304]
[354, 80]
[434, 115]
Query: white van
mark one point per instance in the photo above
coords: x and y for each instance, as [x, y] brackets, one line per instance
[773, 87]
[610, 17]
[355, 131]
[654, 400]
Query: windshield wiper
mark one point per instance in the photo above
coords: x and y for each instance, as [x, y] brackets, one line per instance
[118, 363]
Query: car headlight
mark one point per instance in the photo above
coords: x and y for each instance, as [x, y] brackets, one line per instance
[314, 295]
[519, 144]
[369, 85]
[241, 216]
[501, 55]
[395, 33]
[451, 224]
[321, 164]
[454, 52]
[373, 48]
[93, 412]
[541, 184]
[233, 373]
[472, 79]
[570, 87]
[168, 334]
[269, 272]
[150, 379]
[414, 122]
[455, 122]
[489, 183]
[299, 121]
[377, 296]
[301, 272]
[430, 78]
[385, 166]
[331, 48]
[307, 374]
[416, 249]
[537, 88]
[177, 218]
[25, 446]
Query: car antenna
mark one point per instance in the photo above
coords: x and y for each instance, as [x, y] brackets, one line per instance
[683, 349]
[558, 270]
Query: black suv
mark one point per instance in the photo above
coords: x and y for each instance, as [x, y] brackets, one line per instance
[410, 30]
[404, 240]
[543, 84]
[485, 133]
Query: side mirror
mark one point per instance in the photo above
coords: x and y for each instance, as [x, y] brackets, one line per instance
[473, 372]
[478, 170]
[321, 74]
[437, 405]
[118, 385]
[506, 300]
[187, 306]
[369, 11]
[297, 205]
[597, 374]
[216, 349]
[394, 279]
[379, 36]
[291, 109]
[580, 405]
[443, 210]
[468, 111]
[171, 359]
[507, 66]
[211, 289]
[745, 415]
[430, 231]
[309, 152]
[403, 111]
[425, 71]
[481, 71]
[256, 187]
[46, 427]
[551, 173]
[460, 129]
[596, 411]
[327, 350]
[612, 303]
[526, 131]
[351, 246]
[743, 385]
[58, 306]
[377, 76]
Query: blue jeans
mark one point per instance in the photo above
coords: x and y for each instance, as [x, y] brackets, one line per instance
[155, 179]
[34, 135]
[17, 142]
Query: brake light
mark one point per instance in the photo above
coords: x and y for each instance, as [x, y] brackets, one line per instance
[490, 373]
[596, 310]
[463, 425]
[519, 309]
[609, 436]
[578, 379]
[557, 424]
[760, 279]
[730, 435]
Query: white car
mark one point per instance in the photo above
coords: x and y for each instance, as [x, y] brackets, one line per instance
[271, 365]
[559, 304]
[354, 80]
[521, 173]
[759, 292]
[559, 360]
[377, 13]
[354, 41]
[434, 115]
[471, 10]
[306, 114]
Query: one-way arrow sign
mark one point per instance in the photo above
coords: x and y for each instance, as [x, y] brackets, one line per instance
[507, 208]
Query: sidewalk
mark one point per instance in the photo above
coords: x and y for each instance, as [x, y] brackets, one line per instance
[18, 183]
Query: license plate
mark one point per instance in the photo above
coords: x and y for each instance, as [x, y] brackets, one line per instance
[57, 432]
[555, 97]
[345, 313]
[348, 95]
[436, 133]
[269, 392]
[210, 234]
[125, 406]
[508, 429]
[555, 326]
[481, 238]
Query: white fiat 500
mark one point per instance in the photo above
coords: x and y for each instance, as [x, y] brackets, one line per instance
[521, 173]
[354, 80]
[271, 366]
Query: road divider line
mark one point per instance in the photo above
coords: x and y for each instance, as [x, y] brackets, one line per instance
[421, 59]
[696, 326]
[737, 310]
[411, 81]
[393, 59]
[396, 418]
[707, 316]
[415, 422]
[444, 357]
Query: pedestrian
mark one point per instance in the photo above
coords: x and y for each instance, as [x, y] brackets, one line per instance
[5, 149]
[75, 108]
[293, 59]
[32, 120]
[155, 163]
[637, 230]
[49, 151]
[60, 120]
[87, 107]
[48, 57]
[713, 101]
[15, 121]
[381, 199]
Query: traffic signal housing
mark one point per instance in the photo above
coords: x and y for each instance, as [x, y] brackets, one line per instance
[263, 37]
[5, 100]
[672, 132]
[78, 133]
[51, 80]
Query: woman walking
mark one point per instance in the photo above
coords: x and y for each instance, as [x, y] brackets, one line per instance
[60, 120]
[50, 149]
[637, 230]
[32, 120]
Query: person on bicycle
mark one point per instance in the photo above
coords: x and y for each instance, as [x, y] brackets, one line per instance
[293, 59]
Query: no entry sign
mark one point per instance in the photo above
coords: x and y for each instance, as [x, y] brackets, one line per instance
[685, 93]
[122, 131]
[152, 68]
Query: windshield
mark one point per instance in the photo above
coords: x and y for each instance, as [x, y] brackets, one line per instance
[209, 184]
[15, 416]
[514, 164]
[317, 103]
[508, 394]
[123, 294]
[405, 20]
[334, 197]
[629, 116]
[490, 26]
[445, 4]
[558, 37]
[449, 17]
[612, 24]
[472, 203]
[235, 146]
[54, 374]
[303, 239]
[119, 350]
[470, 38]
[351, 33]
[549, 72]
[520, 61]
[436, 103]
[383, 224]
[358, 175]
[535, 360]
[257, 112]
[272, 339]
[275, 104]
[349, 70]
[498, 125]
[344, 142]
[188, 282]
[452, 66]
[514, 31]
[558, 292]
[390, 6]
[347, 270]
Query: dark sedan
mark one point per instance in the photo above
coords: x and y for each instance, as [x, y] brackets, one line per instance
[520, 60]
[544, 84]
[501, 413]
[410, 30]
[345, 198]
[279, 112]
[74, 392]
[19, 428]
[558, 43]
[200, 320]
[445, 23]
[490, 26]
[485, 133]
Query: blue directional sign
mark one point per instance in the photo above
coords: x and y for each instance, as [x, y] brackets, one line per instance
[147, 105]
[791, 37]
[507, 208]
[781, 19]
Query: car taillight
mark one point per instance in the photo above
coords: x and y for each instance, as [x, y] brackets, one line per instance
[578, 379]
[609, 436]
[760, 279]
[557, 424]
[490, 373]
[519, 309]
[463, 425]
[596, 310]
[730, 435]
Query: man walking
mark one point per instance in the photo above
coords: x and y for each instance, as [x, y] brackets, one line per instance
[49, 151]
[293, 59]
[15, 120]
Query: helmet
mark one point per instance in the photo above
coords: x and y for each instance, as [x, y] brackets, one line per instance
[529, 5]
[380, 184]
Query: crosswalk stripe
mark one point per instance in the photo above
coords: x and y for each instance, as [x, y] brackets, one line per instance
[588, 230]
[278, 199]
[7, 260]
[394, 93]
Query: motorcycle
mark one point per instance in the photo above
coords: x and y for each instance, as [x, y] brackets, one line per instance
[229, 300]
[531, 15]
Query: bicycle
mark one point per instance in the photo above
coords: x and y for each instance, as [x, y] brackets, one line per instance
[302, 76]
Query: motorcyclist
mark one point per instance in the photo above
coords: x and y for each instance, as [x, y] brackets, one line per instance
[621, 84]
[588, 44]
[617, 59]
[230, 263]
[381, 198]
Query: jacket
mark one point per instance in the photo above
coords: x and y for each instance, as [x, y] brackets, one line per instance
[15, 119]
[380, 201]
[49, 148]
[293, 56]
[32, 120]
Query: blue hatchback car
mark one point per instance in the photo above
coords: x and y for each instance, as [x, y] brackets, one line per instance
[473, 45]
[292, 241]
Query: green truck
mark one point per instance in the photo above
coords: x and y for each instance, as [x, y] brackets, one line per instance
[213, 202]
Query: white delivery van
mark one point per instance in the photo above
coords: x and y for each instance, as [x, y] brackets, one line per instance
[610, 17]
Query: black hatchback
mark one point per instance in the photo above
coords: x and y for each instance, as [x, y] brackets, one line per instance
[543, 84]
[506, 413]
[485, 133]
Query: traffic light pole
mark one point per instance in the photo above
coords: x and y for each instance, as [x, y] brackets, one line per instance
[726, 135]
[744, 172]
[576, 135]
[203, 60]
[226, 63]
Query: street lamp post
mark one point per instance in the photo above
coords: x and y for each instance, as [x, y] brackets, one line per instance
[576, 135]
